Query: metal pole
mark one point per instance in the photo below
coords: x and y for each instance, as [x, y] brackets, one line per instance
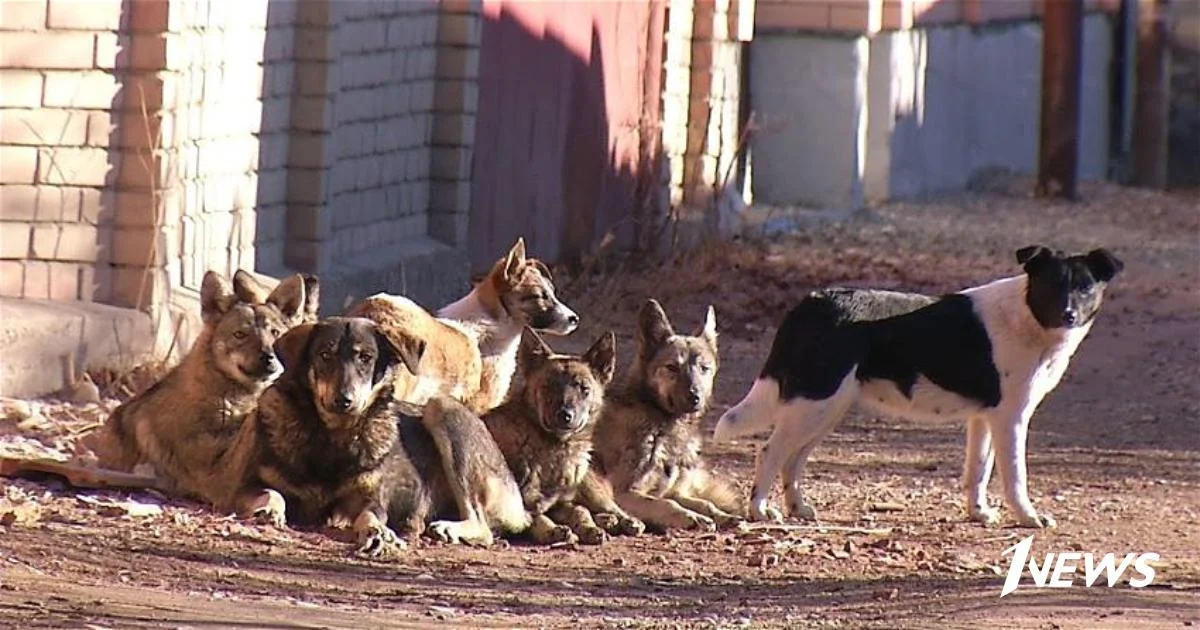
[1062, 46]
[1152, 97]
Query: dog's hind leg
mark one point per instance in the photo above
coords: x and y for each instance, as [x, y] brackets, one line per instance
[977, 470]
[800, 425]
[664, 513]
[793, 487]
[1010, 431]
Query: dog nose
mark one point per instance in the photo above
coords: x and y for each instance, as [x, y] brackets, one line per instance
[267, 358]
[566, 416]
[1069, 317]
[343, 402]
[573, 319]
[694, 398]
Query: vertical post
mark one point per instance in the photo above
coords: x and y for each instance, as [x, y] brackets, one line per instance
[1062, 45]
[1151, 97]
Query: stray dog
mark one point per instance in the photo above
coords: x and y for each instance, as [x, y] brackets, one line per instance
[471, 345]
[182, 425]
[544, 431]
[987, 354]
[647, 443]
[254, 288]
[329, 443]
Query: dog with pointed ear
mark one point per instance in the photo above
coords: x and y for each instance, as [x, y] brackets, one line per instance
[252, 289]
[677, 371]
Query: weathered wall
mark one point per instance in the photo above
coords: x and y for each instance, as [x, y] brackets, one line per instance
[900, 99]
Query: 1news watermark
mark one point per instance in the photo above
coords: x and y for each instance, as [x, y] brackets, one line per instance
[1061, 570]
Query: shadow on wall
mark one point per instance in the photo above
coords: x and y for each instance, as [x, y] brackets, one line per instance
[560, 153]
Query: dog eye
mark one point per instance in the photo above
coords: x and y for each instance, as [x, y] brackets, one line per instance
[325, 355]
[365, 358]
[584, 389]
[673, 368]
[705, 368]
[239, 334]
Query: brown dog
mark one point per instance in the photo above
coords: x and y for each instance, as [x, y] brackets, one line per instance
[647, 441]
[329, 443]
[182, 425]
[545, 433]
[471, 345]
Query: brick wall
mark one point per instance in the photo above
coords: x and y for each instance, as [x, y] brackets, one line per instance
[701, 94]
[58, 98]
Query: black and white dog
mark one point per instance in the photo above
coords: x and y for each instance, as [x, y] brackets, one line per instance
[987, 354]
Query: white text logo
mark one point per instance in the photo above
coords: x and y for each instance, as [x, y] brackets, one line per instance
[1059, 570]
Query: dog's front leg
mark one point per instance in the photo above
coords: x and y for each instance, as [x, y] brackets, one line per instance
[703, 506]
[1009, 433]
[977, 470]
[375, 538]
[546, 532]
[596, 493]
[580, 520]
[664, 513]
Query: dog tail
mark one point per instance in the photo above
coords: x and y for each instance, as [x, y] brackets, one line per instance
[721, 494]
[755, 413]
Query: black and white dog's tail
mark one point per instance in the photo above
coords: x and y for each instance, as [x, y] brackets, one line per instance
[754, 414]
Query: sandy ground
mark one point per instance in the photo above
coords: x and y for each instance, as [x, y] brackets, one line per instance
[1114, 456]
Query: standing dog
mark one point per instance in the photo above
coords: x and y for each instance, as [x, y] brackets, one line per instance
[647, 443]
[329, 443]
[471, 345]
[182, 425]
[545, 432]
[988, 355]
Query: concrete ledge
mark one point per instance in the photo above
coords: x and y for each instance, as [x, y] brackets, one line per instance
[423, 269]
[35, 336]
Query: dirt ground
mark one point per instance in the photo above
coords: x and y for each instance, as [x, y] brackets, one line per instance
[1114, 456]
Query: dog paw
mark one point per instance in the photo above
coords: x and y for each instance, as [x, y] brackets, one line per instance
[269, 508]
[453, 532]
[631, 526]
[986, 515]
[607, 521]
[700, 522]
[560, 534]
[726, 521]
[763, 511]
[379, 541]
[592, 535]
[1037, 521]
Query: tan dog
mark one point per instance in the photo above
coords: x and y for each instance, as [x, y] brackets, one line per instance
[647, 442]
[182, 425]
[471, 345]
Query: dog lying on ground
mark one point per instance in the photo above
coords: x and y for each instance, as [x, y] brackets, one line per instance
[182, 425]
[544, 431]
[987, 354]
[329, 442]
[471, 345]
[647, 442]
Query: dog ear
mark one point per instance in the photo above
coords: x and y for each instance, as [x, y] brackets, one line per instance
[1026, 254]
[216, 297]
[292, 346]
[514, 260]
[532, 351]
[247, 288]
[708, 331]
[541, 267]
[653, 326]
[407, 352]
[602, 357]
[289, 296]
[1103, 265]
[312, 298]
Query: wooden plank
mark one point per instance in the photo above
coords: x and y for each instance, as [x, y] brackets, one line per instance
[1062, 46]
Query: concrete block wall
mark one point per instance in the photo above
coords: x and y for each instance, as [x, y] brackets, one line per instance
[874, 99]
[59, 97]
